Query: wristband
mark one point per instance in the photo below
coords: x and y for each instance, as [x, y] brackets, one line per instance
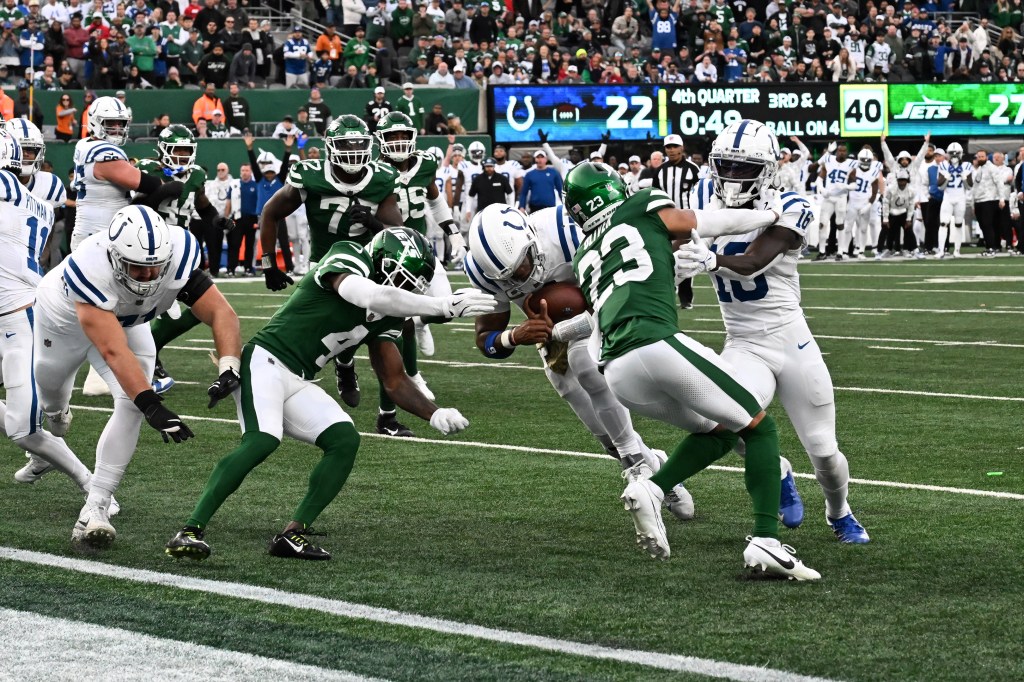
[507, 340]
[493, 347]
[146, 400]
[229, 362]
[449, 227]
[268, 263]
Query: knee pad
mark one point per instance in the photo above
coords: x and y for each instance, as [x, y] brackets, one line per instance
[820, 441]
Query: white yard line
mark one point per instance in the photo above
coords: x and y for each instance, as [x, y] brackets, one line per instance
[390, 617]
[596, 455]
[80, 651]
[894, 348]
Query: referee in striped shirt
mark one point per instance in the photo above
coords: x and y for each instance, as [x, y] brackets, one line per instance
[676, 176]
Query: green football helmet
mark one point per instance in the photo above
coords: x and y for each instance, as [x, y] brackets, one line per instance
[396, 136]
[402, 258]
[349, 143]
[592, 193]
[177, 147]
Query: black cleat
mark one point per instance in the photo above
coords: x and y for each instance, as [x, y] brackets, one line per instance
[388, 425]
[348, 382]
[294, 544]
[821, 256]
[188, 544]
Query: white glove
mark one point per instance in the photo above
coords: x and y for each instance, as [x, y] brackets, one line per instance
[458, 244]
[686, 268]
[831, 148]
[945, 175]
[469, 303]
[448, 420]
[698, 254]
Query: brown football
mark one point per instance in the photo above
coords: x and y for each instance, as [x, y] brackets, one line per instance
[564, 300]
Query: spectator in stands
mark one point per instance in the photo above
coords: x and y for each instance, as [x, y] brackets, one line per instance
[357, 51]
[103, 63]
[236, 108]
[243, 67]
[263, 47]
[843, 67]
[483, 26]
[209, 13]
[435, 122]
[214, 67]
[401, 25]
[352, 78]
[159, 123]
[378, 22]
[460, 81]
[231, 10]
[22, 109]
[377, 108]
[232, 37]
[173, 81]
[286, 128]
[297, 55]
[66, 115]
[76, 37]
[423, 23]
[319, 112]
[191, 57]
[204, 107]
[330, 42]
[441, 78]
[143, 50]
[456, 19]
[303, 125]
[33, 43]
[498, 75]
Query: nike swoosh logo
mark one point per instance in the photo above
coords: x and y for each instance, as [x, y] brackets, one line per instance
[10, 334]
[803, 345]
[785, 563]
[298, 548]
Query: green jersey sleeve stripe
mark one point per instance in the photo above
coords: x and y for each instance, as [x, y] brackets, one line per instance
[659, 204]
[340, 263]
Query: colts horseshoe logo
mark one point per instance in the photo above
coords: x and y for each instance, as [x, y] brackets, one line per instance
[120, 229]
[530, 114]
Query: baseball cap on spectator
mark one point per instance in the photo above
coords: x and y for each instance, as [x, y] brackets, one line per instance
[489, 162]
[673, 139]
[421, 58]
[562, 14]
[940, 150]
[533, 23]
[581, 53]
[784, 151]
[439, 37]
[478, 68]
[378, 90]
[120, 93]
[529, 50]
[458, 67]
[572, 68]
[785, 38]
[635, 159]
[450, 116]
[623, 166]
[539, 152]
[407, 85]
[296, 29]
[497, 65]
[595, 155]
[33, 2]
[520, 20]
[216, 112]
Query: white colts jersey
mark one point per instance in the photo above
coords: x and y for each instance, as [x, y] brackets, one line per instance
[558, 238]
[837, 173]
[87, 276]
[958, 172]
[48, 188]
[863, 185]
[754, 305]
[98, 200]
[511, 169]
[25, 223]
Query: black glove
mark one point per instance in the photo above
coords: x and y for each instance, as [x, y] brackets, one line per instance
[542, 136]
[361, 214]
[275, 279]
[167, 190]
[224, 386]
[223, 223]
[160, 418]
[606, 137]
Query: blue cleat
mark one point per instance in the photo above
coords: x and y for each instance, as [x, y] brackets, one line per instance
[162, 385]
[791, 507]
[848, 530]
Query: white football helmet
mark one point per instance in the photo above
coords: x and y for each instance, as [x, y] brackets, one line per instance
[33, 147]
[500, 240]
[955, 152]
[744, 159]
[139, 238]
[109, 120]
[902, 174]
[865, 158]
[436, 153]
[10, 152]
[476, 152]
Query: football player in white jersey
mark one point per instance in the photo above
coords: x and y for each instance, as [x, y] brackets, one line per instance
[96, 305]
[435, 235]
[767, 339]
[955, 176]
[42, 184]
[837, 174]
[25, 223]
[471, 167]
[510, 168]
[913, 165]
[512, 256]
[861, 201]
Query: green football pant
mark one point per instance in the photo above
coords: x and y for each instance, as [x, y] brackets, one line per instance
[165, 329]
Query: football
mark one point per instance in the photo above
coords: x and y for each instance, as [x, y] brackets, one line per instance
[564, 300]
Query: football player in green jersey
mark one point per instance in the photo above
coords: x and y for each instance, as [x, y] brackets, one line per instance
[176, 161]
[626, 269]
[329, 313]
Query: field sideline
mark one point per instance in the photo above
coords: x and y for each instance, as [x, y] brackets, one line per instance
[504, 554]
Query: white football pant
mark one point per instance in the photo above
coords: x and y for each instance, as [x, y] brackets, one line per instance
[952, 211]
[832, 206]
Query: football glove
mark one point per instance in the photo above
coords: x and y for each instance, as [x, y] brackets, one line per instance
[160, 418]
[223, 223]
[361, 214]
[224, 386]
[458, 244]
[469, 303]
[556, 356]
[542, 136]
[448, 420]
[275, 279]
[698, 255]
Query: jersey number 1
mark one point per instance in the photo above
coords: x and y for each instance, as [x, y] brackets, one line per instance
[742, 295]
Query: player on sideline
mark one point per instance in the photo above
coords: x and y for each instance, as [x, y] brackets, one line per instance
[913, 166]
[96, 305]
[767, 340]
[512, 256]
[954, 174]
[329, 312]
[45, 186]
[626, 270]
[837, 173]
[861, 201]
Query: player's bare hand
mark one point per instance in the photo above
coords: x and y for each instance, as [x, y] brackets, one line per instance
[248, 140]
[542, 315]
[531, 332]
[289, 141]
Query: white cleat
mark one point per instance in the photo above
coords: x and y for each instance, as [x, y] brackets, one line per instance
[94, 384]
[93, 529]
[60, 422]
[421, 384]
[424, 339]
[777, 559]
[112, 510]
[34, 470]
[643, 500]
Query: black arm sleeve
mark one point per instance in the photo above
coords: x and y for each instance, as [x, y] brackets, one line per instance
[199, 282]
[252, 163]
[148, 183]
[162, 192]
[208, 214]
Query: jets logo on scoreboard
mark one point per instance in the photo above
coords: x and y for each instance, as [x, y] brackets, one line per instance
[925, 111]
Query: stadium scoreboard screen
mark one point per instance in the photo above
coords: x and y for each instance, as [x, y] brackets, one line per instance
[582, 113]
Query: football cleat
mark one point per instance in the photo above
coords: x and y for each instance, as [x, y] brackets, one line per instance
[643, 500]
[162, 381]
[776, 559]
[348, 382]
[94, 384]
[849, 530]
[93, 529]
[421, 384]
[424, 339]
[33, 470]
[60, 422]
[637, 472]
[294, 544]
[188, 544]
[388, 425]
[680, 503]
[791, 507]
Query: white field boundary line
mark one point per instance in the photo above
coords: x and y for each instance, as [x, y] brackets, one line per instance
[596, 455]
[351, 610]
[894, 348]
[77, 650]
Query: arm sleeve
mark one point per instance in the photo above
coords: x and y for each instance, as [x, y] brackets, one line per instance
[732, 221]
[556, 162]
[890, 162]
[525, 191]
[388, 301]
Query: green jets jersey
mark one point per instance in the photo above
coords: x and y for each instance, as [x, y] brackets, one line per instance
[412, 190]
[627, 274]
[327, 199]
[315, 323]
[176, 211]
